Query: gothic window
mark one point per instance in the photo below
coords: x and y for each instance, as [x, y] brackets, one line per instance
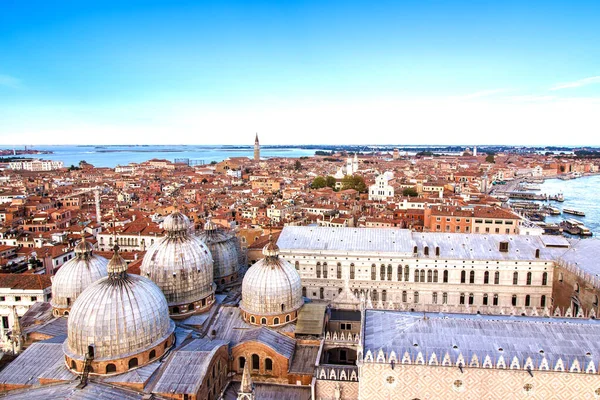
[462, 299]
[528, 278]
[416, 275]
[422, 275]
[497, 278]
[406, 273]
[374, 295]
[445, 276]
[389, 272]
[429, 276]
[545, 278]
[472, 277]
[382, 273]
[384, 295]
[471, 297]
[444, 298]
[495, 300]
[434, 297]
[399, 272]
[486, 277]
[435, 276]
[515, 278]
[463, 276]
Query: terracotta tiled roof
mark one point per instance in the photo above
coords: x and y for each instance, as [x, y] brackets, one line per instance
[25, 282]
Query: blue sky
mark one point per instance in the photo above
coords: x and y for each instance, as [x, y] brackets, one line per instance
[406, 72]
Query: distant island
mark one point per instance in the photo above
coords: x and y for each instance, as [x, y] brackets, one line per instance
[15, 152]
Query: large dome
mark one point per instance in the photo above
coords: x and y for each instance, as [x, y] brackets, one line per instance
[76, 275]
[182, 266]
[224, 249]
[271, 290]
[124, 316]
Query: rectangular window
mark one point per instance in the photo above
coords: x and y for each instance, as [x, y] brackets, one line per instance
[5, 322]
[478, 221]
[498, 222]
[17, 298]
[444, 298]
[2, 298]
[33, 298]
[434, 298]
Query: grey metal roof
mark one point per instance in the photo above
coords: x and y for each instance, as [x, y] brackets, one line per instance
[187, 367]
[275, 340]
[33, 362]
[63, 391]
[265, 391]
[54, 327]
[584, 253]
[305, 358]
[400, 242]
[483, 335]
[311, 319]
[345, 315]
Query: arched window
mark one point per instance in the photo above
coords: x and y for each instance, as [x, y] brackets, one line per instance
[351, 271]
[515, 278]
[416, 275]
[422, 275]
[543, 301]
[382, 273]
[152, 354]
[384, 295]
[252, 319]
[537, 253]
[73, 365]
[339, 271]
[276, 321]
[415, 250]
[437, 251]
[321, 293]
[429, 276]
[446, 276]
[486, 277]
[373, 272]
[110, 368]
[255, 361]
[263, 321]
[435, 276]
[485, 299]
[399, 272]
[472, 277]
[389, 272]
[241, 363]
[527, 300]
[133, 362]
[268, 365]
[282, 307]
[374, 295]
[471, 298]
[287, 318]
[463, 276]
[406, 273]
[495, 300]
[318, 270]
[404, 297]
[497, 278]
[297, 264]
[462, 299]
[514, 300]
[434, 298]
[325, 270]
[545, 278]
[528, 278]
[426, 250]
[444, 298]
[416, 294]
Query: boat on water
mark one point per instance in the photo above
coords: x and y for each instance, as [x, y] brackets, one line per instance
[575, 227]
[552, 210]
[573, 212]
[530, 186]
[585, 231]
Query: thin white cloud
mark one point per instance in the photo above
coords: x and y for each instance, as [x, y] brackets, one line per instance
[482, 93]
[9, 81]
[576, 84]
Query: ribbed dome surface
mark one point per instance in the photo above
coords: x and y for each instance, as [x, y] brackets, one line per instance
[121, 317]
[179, 263]
[271, 286]
[223, 248]
[76, 275]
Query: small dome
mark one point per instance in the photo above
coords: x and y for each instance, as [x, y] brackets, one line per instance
[176, 222]
[224, 249]
[181, 265]
[75, 276]
[122, 315]
[272, 286]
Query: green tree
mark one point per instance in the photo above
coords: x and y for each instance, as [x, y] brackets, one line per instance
[490, 158]
[330, 181]
[355, 182]
[318, 183]
[410, 192]
[297, 165]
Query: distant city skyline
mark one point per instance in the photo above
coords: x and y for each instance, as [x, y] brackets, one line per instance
[414, 72]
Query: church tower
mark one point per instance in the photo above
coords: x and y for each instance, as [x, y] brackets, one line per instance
[256, 149]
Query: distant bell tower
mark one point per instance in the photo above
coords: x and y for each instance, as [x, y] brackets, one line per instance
[256, 149]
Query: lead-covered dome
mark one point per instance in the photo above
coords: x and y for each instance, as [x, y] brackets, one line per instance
[271, 290]
[182, 266]
[75, 276]
[126, 319]
[225, 252]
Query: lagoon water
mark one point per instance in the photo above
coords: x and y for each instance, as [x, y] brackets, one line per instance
[111, 156]
[581, 194]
